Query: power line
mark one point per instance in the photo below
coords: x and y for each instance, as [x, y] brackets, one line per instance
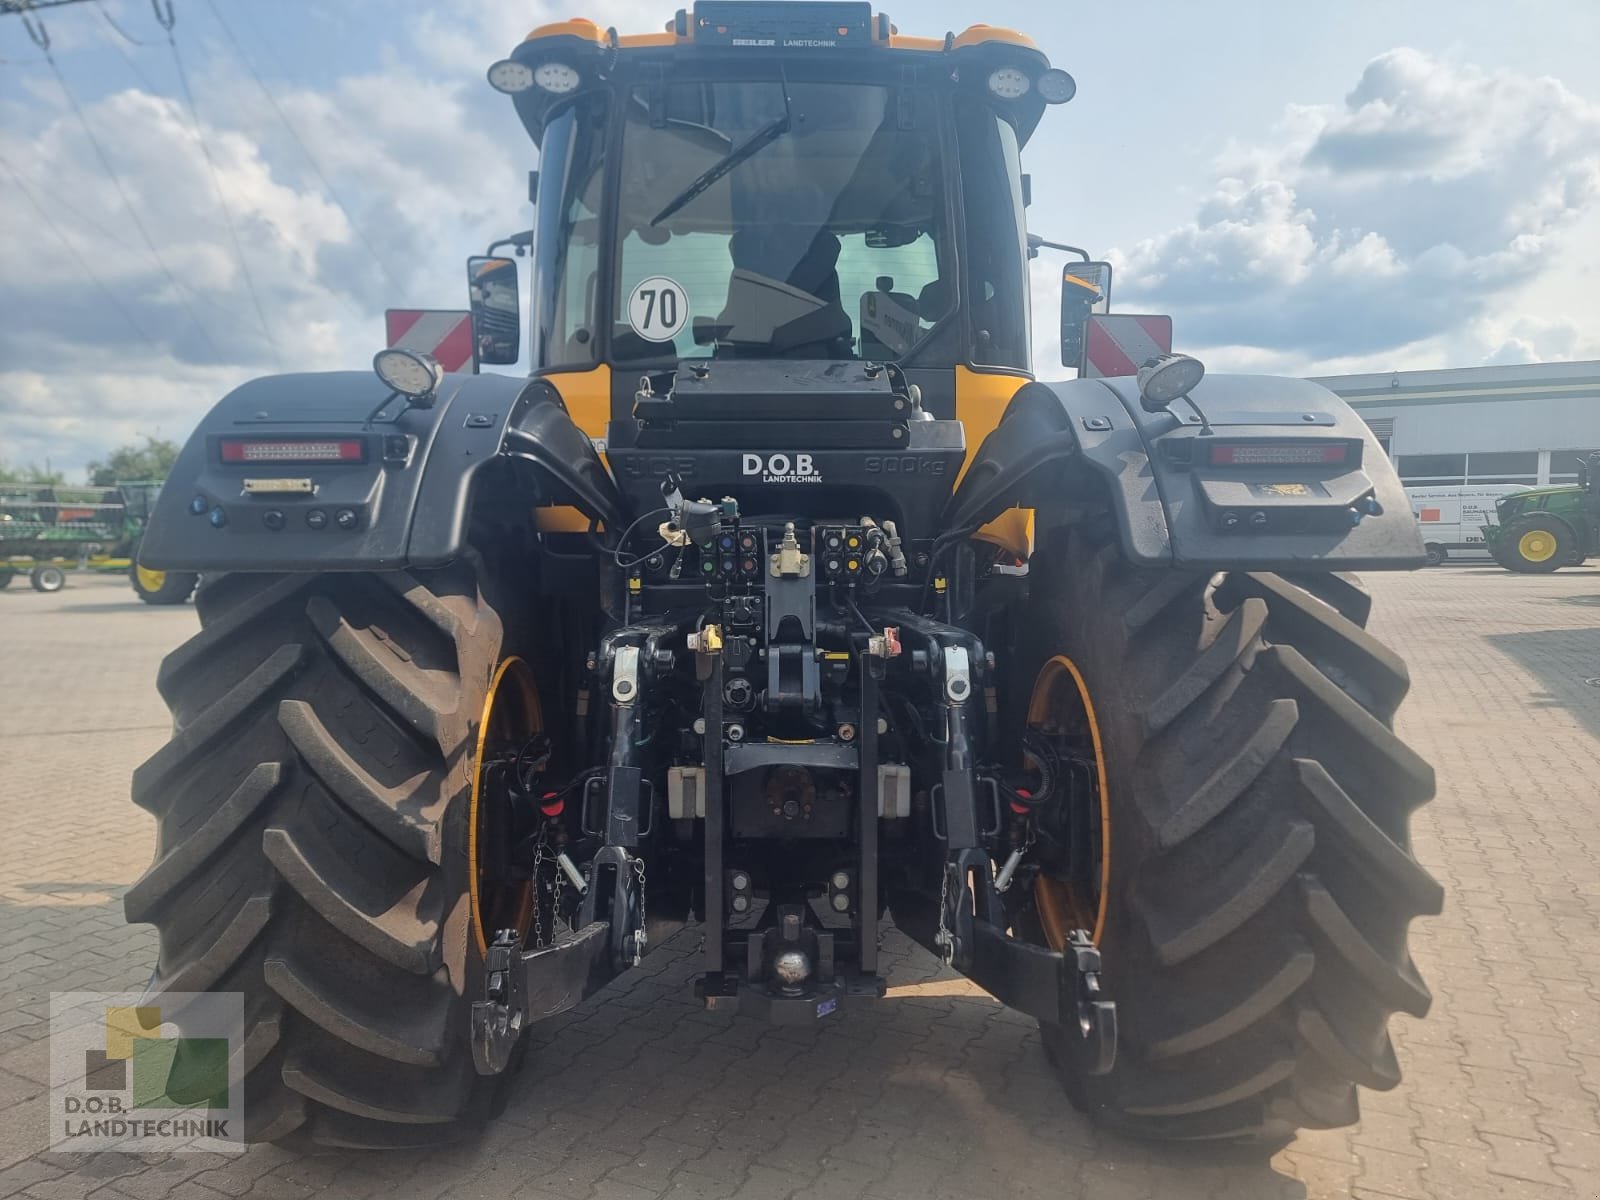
[134, 67]
[61, 204]
[44, 215]
[42, 40]
[167, 21]
[22, 7]
[121, 32]
[154, 90]
[333, 194]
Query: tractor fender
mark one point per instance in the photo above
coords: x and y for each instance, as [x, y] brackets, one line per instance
[402, 498]
[1065, 449]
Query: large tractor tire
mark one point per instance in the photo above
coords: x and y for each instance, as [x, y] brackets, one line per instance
[1536, 546]
[1252, 881]
[161, 587]
[313, 810]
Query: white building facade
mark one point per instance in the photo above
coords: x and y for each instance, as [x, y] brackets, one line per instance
[1529, 425]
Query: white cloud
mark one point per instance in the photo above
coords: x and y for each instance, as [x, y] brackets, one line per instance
[1395, 229]
[434, 173]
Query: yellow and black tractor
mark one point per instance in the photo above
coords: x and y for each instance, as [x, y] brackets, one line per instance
[779, 598]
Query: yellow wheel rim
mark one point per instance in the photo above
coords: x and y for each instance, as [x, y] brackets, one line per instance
[1060, 701]
[150, 581]
[511, 713]
[1537, 545]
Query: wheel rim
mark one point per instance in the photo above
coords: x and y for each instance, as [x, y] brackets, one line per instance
[1060, 704]
[150, 581]
[1537, 545]
[511, 712]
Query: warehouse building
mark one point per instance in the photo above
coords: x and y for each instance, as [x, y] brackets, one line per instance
[1527, 425]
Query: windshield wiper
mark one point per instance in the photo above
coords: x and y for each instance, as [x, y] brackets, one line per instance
[767, 134]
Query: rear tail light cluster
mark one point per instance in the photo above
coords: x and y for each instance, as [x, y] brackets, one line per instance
[1277, 454]
[295, 450]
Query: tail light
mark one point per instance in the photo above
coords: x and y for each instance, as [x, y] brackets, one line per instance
[1277, 454]
[293, 450]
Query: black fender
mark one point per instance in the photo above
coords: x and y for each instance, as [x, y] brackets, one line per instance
[404, 502]
[1071, 448]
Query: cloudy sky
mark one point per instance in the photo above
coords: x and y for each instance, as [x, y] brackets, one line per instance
[1365, 185]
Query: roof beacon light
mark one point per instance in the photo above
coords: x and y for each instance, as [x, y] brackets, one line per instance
[1009, 83]
[413, 374]
[1165, 378]
[510, 76]
[556, 78]
[1056, 86]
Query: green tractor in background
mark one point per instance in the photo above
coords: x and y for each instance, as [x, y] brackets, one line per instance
[1545, 529]
[151, 586]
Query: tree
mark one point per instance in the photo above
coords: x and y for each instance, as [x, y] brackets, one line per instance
[150, 461]
[32, 473]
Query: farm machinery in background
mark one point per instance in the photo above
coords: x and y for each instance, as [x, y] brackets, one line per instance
[47, 530]
[1544, 529]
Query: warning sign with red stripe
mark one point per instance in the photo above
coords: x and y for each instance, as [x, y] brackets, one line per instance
[1118, 343]
[445, 333]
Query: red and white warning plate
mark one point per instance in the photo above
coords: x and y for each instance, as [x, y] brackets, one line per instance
[445, 333]
[1117, 343]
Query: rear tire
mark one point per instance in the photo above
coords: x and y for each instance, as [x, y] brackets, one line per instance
[1260, 881]
[312, 811]
[1535, 546]
[1437, 554]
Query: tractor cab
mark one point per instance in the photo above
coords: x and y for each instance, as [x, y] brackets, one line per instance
[778, 182]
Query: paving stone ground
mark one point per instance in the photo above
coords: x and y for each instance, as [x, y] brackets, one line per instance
[938, 1091]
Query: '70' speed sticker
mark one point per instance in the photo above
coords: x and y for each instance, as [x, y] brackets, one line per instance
[658, 309]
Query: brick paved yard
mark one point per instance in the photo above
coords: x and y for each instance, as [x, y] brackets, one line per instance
[938, 1091]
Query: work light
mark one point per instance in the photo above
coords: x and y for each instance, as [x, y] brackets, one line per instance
[410, 372]
[556, 78]
[1165, 377]
[1056, 86]
[510, 76]
[1009, 83]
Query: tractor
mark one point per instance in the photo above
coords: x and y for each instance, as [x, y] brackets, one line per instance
[1544, 529]
[779, 600]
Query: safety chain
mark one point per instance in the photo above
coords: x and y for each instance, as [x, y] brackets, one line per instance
[538, 930]
[557, 887]
[639, 938]
[942, 939]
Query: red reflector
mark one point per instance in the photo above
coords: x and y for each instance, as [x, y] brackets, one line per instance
[1278, 454]
[250, 450]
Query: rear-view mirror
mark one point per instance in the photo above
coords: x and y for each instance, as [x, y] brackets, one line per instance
[496, 310]
[1085, 289]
